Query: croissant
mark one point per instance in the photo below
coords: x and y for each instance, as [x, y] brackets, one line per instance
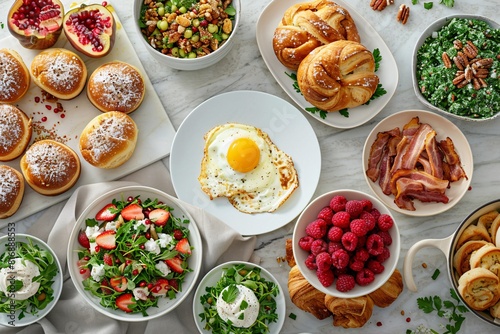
[305, 296]
[338, 75]
[488, 257]
[461, 259]
[480, 288]
[350, 312]
[305, 26]
[389, 292]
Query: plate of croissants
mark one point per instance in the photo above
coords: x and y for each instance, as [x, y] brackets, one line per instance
[328, 59]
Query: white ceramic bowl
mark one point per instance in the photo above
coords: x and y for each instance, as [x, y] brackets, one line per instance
[432, 28]
[190, 64]
[165, 305]
[310, 213]
[12, 319]
[214, 275]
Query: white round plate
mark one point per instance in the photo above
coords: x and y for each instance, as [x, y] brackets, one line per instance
[387, 73]
[214, 275]
[287, 128]
[444, 128]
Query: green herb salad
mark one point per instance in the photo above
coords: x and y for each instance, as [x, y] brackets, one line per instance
[457, 68]
[27, 276]
[242, 301]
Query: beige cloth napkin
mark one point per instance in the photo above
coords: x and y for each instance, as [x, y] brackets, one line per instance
[73, 315]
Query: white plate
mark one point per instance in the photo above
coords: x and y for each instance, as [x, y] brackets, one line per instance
[213, 277]
[287, 128]
[387, 73]
[151, 118]
[444, 128]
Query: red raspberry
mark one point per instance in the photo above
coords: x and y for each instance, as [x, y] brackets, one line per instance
[335, 233]
[375, 244]
[367, 204]
[385, 222]
[365, 277]
[359, 227]
[310, 262]
[340, 259]
[337, 203]
[375, 266]
[369, 220]
[361, 242]
[326, 214]
[341, 219]
[326, 277]
[318, 246]
[337, 272]
[333, 246]
[305, 242]
[349, 241]
[382, 257]
[345, 282]
[316, 228]
[362, 255]
[375, 213]
[354, 208]
[323, 261]
[386, 236]
[356, 265]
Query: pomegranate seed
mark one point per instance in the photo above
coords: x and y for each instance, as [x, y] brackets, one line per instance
[135, 272]
[44, 119]
[379, 323]
[48, 107]
[130, 199]
[142, 284]
[104, 3]
[148, 235]
[56, 110]
[97, 249]
[408, 319]
[37, 99]
[142, 246]
[128, 262]
[82, 271]
[150, 286]
[63, 115]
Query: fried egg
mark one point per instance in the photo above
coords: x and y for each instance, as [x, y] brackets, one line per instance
[241, 162]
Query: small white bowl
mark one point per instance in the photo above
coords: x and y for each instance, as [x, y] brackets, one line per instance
[12, 319]
[165, 305]
[190, 64]
[428, 31]
[310, 213]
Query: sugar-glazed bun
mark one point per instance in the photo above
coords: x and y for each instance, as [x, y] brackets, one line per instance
[59, 72]
[15, 132]
[14, 76]
[11, 191]
[109, 139]
[50, 167]
[116, 86]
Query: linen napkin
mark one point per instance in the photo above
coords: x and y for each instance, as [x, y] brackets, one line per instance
[72, 315]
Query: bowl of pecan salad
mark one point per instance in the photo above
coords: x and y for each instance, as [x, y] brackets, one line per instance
[455, 67]
[187, 34]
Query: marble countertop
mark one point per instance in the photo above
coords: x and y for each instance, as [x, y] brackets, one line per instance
[244, 69]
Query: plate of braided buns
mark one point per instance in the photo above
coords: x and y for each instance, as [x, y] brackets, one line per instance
[328, 59]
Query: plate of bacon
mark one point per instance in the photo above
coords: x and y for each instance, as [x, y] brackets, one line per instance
[417, 162]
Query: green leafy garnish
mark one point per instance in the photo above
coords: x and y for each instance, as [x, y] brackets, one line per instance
[448, 3]
[414, 2]
[229, 295]
[377, 57]
[293, 316]
[436, 274]
[428, 5]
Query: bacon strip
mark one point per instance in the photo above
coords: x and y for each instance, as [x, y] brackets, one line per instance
[409, 189]
[376, 152]
[417, 144]
[435, 158]
[453, 160]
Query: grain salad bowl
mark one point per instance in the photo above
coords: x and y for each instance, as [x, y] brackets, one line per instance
[189, 26]
[455, 67]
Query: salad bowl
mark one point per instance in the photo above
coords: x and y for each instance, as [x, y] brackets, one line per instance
[146, 265]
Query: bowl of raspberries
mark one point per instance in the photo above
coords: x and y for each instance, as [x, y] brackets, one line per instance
[346, 243]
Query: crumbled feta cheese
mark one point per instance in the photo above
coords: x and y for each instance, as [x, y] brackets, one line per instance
[111, 226]
[152, 246]
[140, 223]
[141, 293]
[164, 239]
[97, 272]
[162, 266]
[92, 232]
[92, 244]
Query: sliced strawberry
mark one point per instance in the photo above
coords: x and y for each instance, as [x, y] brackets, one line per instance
[183, 246]
[106, 239]
[159, 216]
[132, 211]
[123, 302]
[106, 214]
[175, 264]
[83, 240]
[108, 259]
[82, 266]
[118, 283]
[161, 287]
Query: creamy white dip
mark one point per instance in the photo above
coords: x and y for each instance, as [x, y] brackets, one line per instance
[233, 312]
[20, 272]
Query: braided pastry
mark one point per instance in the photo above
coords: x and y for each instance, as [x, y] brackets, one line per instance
[350, 312]
[305, 26]
[338, 75]
[480, 288]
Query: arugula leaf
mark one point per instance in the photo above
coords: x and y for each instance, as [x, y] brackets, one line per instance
[414, 2]
[229, 295]
[428, 5]
[448, 3]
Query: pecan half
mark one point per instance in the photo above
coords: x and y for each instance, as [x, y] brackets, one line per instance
[378, 4]
[457, 44]
[403, 14]
[446, 60]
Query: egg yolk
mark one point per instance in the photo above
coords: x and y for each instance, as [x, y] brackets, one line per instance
[243, 155]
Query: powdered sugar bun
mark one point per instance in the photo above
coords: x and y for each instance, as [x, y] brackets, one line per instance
[59, 72]
[14, 76]
[116, 86]
[15, 132]
[109, 139]
[50, 167]
[11, 190]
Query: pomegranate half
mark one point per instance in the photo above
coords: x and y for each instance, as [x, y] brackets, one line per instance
[90, 29]
[37, 24]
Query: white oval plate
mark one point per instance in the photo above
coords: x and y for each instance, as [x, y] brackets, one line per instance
[444, 128]
[287, 128]
[214, 275]
[387, 73]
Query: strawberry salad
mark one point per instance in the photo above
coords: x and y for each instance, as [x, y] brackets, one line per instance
[133, 253]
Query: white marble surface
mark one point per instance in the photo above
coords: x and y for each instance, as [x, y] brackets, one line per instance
[244, 69]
